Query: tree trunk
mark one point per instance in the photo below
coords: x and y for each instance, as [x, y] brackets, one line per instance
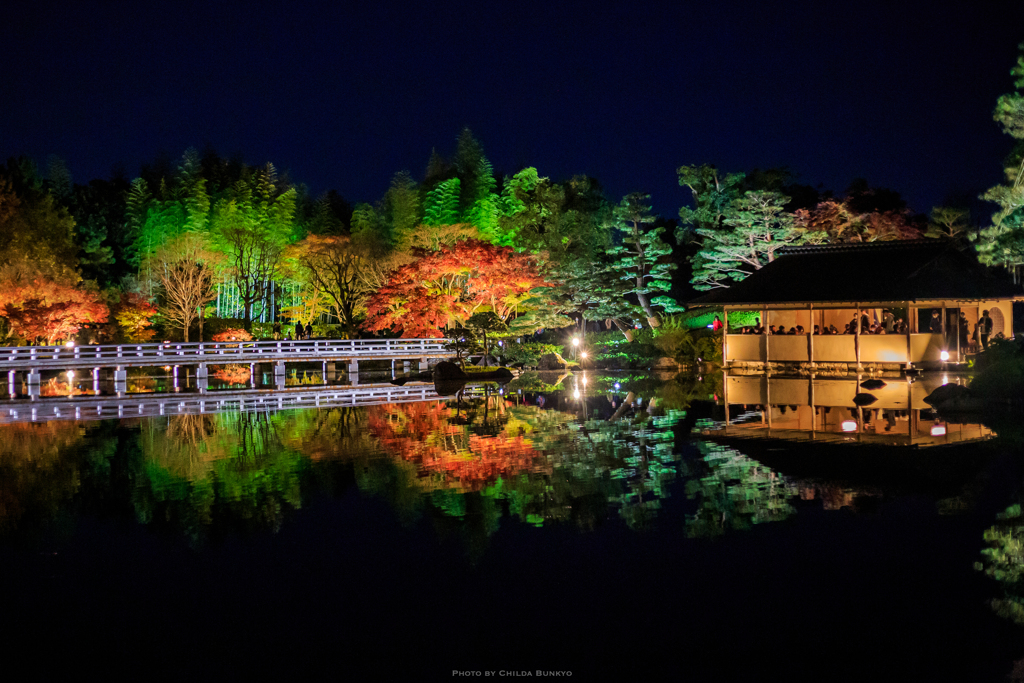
[627, 333]
[652, 317]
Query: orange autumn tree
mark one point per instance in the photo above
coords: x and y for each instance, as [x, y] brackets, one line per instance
[445, 287]
[134, 314]
[39, 308]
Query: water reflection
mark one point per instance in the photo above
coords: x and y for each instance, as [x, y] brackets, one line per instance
[234, 463]
[890, 411]
[465, 464]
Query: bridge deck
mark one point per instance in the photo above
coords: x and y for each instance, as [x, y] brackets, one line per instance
[141, 355]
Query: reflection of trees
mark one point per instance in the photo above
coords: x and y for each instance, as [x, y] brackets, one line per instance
[232, 374]
[44, 466]
[230, 467]
[734, 492]
[444, 448]
[1003, 560]
[39, 469]
[541, 465]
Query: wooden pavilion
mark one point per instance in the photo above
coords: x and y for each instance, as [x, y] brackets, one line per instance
[829, 286]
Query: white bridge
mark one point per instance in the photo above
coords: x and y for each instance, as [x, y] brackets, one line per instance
[148, 405]
[35, 359]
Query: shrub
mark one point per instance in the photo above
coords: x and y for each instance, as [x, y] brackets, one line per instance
[235, 334]
[527, 353]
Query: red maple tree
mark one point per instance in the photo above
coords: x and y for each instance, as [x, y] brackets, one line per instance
[444, 287]
[43, 309]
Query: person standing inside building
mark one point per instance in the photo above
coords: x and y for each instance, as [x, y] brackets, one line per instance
[984, 329]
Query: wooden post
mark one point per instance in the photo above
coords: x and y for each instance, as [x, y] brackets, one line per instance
[725, 343]
[909, 347]
[810, 397]
[810, 336]
[958, 358]
[725, 394]
[767, 340]
[856, 339]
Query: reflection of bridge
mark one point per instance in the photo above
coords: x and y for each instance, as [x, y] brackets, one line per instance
[35, 359]
[147, 405]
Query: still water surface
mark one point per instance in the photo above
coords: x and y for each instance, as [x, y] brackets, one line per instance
[526, 531]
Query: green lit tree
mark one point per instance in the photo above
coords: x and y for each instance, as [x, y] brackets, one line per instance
[641, 257]
[486, 322]
[755, 227]
[712, 196]
[1002, 243]
[441, 206]
[254, 223]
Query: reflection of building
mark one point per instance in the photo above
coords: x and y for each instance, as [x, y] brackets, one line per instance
[827, 410]
[829, 286]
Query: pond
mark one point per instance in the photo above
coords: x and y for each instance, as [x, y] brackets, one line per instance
[595, 525]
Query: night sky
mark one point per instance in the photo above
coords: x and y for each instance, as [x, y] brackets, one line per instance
[343, 95]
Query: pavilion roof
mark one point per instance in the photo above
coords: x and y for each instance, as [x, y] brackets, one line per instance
[918, 270]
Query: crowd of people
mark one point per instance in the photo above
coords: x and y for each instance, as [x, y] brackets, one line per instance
[889, 324]
[301, 332]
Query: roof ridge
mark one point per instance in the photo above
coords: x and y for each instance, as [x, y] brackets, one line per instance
[865, 246]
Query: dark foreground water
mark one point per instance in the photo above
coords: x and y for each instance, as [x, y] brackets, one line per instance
[408, 542]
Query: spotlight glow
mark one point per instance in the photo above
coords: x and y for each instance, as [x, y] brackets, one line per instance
[944, 355]
[849, 425]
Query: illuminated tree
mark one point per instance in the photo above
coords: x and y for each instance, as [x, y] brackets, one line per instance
[754, 228]
[948, 223]
[254, 223]
[484, 322]
[38, 308]
[134, 314]
[641, 257]
[185, 267]
[712, 196]
[445, 287]
[1002, 243]
[331, 264]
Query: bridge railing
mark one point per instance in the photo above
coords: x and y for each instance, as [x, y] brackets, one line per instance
[174, 353]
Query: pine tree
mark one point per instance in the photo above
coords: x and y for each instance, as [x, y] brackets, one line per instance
[755, 227]
[712, 196]
[1002, 243]
[641, 256]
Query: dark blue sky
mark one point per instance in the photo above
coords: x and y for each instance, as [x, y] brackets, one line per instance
[343, 96]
